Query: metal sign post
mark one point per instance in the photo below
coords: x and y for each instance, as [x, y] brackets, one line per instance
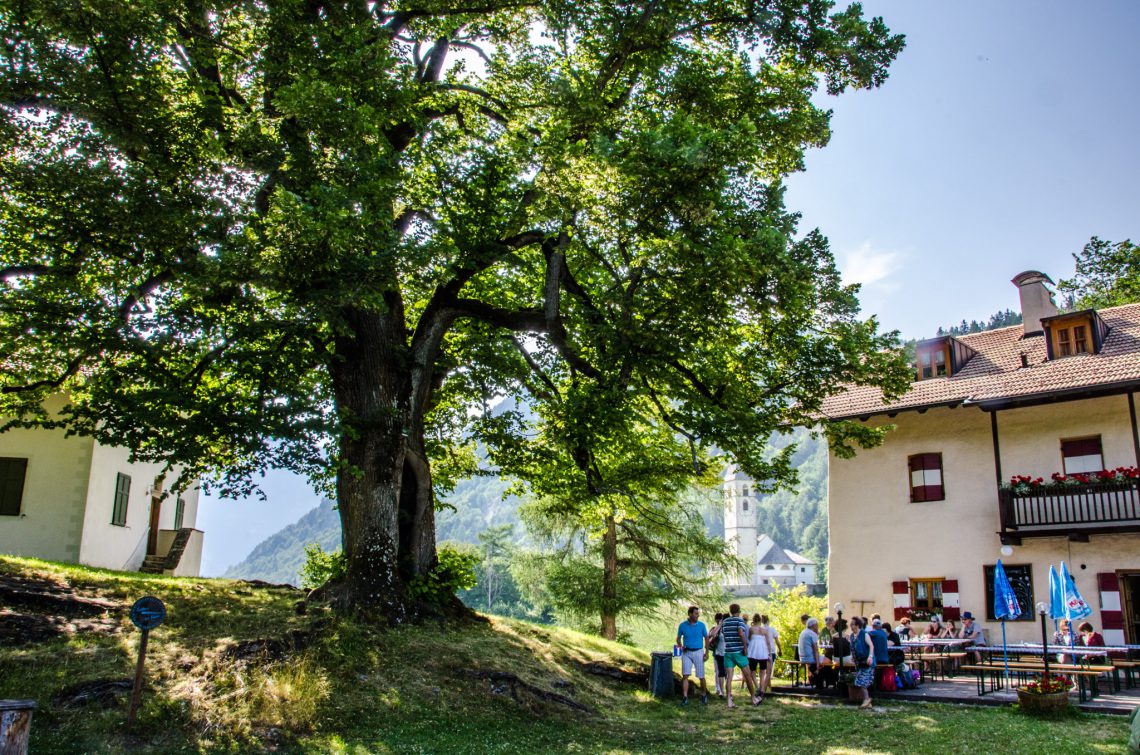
[146, 614]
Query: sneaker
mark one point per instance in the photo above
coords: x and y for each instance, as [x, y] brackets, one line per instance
[704, 699]
[757, 699]
[731, 704]
[684, 701]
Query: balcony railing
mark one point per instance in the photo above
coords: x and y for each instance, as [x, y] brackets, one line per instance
[1107, 506]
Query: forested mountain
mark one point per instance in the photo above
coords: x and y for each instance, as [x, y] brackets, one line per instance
[278, 558]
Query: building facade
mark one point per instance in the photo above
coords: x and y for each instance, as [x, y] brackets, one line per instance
[75, 500]
[1019, 443]
[771, 566]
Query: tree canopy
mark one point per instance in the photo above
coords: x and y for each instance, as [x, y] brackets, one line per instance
[314, 235]
[1107, 274]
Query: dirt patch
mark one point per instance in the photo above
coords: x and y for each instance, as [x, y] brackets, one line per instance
[266, 649]
[31, 628]
[44, 596]
[105, 693]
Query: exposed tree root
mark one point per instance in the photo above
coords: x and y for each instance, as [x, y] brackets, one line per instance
[504, 682]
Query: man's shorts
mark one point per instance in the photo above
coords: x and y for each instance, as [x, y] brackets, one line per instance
[693, 660]
[735, 660]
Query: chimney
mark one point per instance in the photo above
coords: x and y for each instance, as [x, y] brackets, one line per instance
[1036, 301]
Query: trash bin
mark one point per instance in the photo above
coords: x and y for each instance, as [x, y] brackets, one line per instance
[661, 674]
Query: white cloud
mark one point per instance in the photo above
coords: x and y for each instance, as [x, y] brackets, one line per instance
[871, 267]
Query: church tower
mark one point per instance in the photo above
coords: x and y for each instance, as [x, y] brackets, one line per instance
[740, 516]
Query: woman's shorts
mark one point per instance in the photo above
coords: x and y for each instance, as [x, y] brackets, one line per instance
[758, 663]
[719, 660]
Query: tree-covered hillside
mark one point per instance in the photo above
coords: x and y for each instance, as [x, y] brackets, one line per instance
[278, 558]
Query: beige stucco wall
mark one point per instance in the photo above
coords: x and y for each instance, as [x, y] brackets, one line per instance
[190, 565]
[877, 536]
[105, 544]
[55, 485]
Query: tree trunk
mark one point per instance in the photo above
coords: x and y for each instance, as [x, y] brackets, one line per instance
[384, 481]
[609, 580]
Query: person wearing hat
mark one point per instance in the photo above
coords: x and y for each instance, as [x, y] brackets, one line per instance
[973, 633]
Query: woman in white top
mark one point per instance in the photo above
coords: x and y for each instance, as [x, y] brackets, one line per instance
[759, 652]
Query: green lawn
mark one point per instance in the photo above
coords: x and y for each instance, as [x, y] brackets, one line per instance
[358, 689]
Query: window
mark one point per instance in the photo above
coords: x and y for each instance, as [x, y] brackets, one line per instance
[933, 361]
[744, 504]
[926, 594]
[1071, 336]
[1021, 580]
[926, 478]
[803, 570]
[122, 495]
[179, 512]
[745, 491]
[1082, 455]
[12, 473]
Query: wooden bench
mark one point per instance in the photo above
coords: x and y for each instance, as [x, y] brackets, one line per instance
[1077, 669]
[1129, 668]
[1086, 676]
[995, 675]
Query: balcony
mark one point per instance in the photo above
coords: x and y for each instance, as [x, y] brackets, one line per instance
[1075, 511]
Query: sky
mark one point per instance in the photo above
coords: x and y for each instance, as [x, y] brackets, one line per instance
[1005, 137]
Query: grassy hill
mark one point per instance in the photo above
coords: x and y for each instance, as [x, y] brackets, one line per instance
[237, 669]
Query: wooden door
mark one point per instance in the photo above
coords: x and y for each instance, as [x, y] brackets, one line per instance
[152, 535]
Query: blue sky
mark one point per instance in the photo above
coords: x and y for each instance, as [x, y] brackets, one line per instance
[1004, 138]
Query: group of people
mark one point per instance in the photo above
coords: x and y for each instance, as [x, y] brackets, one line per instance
[863, 644]
[735, 644]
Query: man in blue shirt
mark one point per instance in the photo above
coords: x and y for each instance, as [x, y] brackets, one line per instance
[692, 637]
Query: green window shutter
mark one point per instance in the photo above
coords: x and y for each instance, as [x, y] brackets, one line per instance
[12, 473]
[122, 496]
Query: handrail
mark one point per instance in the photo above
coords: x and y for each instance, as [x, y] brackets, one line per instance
[1094, 503]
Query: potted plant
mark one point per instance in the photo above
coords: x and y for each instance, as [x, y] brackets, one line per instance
[1045, 694]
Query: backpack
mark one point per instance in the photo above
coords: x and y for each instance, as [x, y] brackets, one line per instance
[908, 678]
[888, 682]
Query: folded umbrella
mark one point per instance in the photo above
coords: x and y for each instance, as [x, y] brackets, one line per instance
[1006, 606]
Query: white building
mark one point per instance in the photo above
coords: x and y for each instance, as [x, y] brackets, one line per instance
[772, 565]
[76, 500]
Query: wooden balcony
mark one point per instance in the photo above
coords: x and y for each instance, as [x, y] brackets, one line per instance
[1075, 511]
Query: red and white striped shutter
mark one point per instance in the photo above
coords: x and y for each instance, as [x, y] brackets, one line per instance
[951, 603]
[1111, 617]
[901, 592]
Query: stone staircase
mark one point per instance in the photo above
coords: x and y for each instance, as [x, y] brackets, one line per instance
[161, 564]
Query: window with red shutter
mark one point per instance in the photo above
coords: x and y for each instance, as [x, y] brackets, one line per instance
[926, 478]
[1082, 455]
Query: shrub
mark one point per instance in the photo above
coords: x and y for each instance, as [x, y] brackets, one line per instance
[454, 571]
[784, 608]
[321, 567]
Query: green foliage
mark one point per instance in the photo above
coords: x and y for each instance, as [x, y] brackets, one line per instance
[321, 566]
[663, 552]
[453, 573]
[1107, 274]
[315, 236]
[784, 608]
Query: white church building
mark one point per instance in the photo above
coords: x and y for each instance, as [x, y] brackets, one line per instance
[772, 565]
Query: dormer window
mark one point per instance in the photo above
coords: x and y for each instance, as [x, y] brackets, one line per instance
[1074, 333]
[940, 357]
[933, 361]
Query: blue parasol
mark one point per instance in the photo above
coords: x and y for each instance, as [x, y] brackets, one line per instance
[1076, 607]
[1005, 606]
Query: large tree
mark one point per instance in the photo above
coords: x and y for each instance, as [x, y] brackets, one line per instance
[1107, 274]
[303, 234]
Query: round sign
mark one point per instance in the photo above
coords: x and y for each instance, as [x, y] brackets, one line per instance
[148, 612]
